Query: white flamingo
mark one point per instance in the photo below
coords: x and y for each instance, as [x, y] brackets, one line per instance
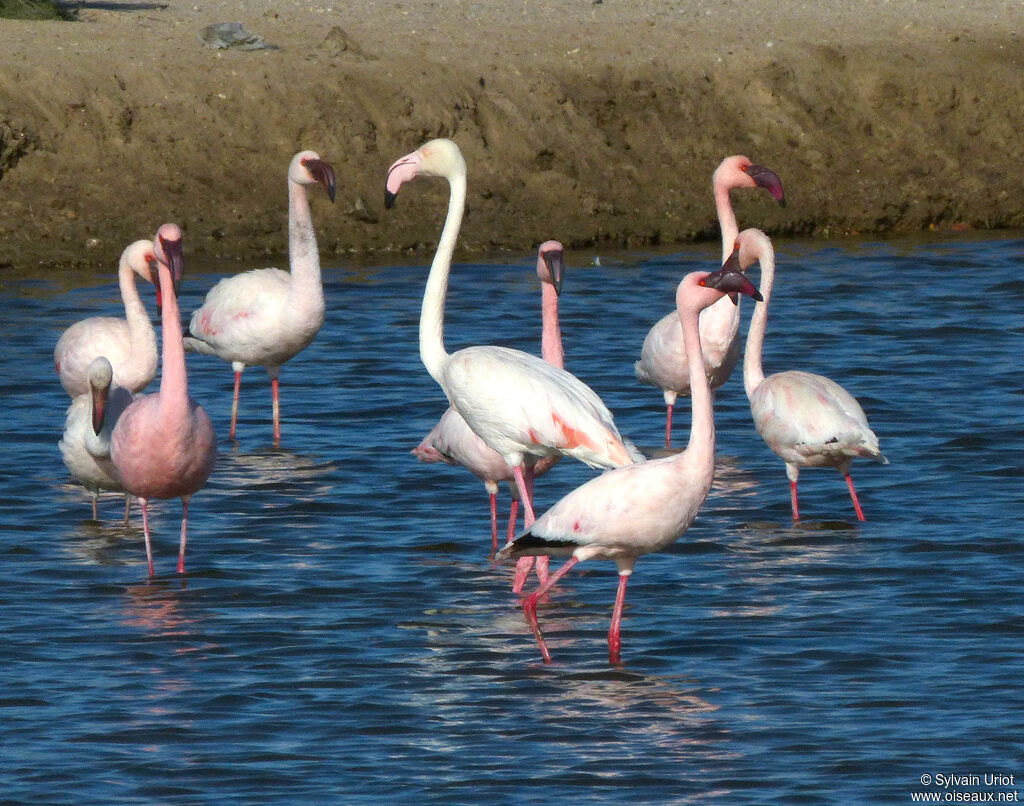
[129, 344]
[85, 445]
[807, 420]
[265, 317]
[453, 442]
[636, 510]
[662, 361]
[518, 403]
[163, 445]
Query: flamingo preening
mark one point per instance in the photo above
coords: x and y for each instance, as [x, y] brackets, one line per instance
[265, 317]
[807, 420]
[637, 509]
[163, 445]
[663, 358]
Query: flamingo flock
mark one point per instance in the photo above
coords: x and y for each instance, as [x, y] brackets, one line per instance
[512, 415]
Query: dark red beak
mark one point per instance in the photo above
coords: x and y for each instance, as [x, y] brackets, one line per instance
[323, 173]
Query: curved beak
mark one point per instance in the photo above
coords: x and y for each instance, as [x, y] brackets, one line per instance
[555, 261]
[730, 280]
[769, 180]
[99, 407]
[322, 172]
[175, 256]
[400, 172]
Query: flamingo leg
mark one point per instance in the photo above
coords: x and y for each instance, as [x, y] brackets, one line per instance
[184, 534]
[95, 510]
[513, 515]
[524, 564]
[668, 425]
[145, 532]
[853, 496]
[494, 523]
[793, 501]
[277, 410]
[530, 605]
[234, 403]
[614, 632]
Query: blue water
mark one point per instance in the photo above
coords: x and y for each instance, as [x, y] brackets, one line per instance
[342, 638]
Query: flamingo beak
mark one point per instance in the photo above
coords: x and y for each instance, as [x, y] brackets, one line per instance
[555, 261]
[99, 407]
[323, 173]
[400, 172]
[175, 261]
[769, 180]
[730, 280]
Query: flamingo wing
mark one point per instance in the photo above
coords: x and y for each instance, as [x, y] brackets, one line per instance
[238, 319]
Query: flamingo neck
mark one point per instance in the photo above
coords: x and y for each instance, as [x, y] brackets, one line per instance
[141, 336]
[432, 351]
[551, 335]
[753, 372]
[173, 381]
[726, 218]
[702, 429]
[723, 316]
[303, 254]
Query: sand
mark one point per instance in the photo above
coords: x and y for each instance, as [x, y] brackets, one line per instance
[594, 122]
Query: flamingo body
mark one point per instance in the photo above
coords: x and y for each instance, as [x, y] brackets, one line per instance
[129, 344]
[265, 317]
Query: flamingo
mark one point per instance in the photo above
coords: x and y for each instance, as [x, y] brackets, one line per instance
[638, 509]
[265, 317]
[518, 403]
[129, 344]
[163, 445]
[807, 420]
[663, 359]
[452, 440]
[85, 446]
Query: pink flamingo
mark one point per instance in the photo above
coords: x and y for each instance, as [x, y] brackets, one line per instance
[129, 344]
[518, 403]
[663, 358]
[163, 445]
[641, 508]
[807, 420]
[265, 317]
[85, 446]
[452, 441]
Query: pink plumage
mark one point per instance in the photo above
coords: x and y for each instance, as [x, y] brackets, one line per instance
[663, 358]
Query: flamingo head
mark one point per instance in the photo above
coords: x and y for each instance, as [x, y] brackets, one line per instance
[137, 257]
[308, 169]
[751, 246]
[168, 252]
[440, 157]
[730, 280]
[740, 172]
[551, 264]
[101, 375]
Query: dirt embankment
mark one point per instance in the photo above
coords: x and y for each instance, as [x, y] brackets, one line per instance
[599, 128]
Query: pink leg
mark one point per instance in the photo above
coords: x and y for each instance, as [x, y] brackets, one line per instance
[853, 495]
[525, 563]
[513, 515]
[494, 523]
[184, 534]
[530, 605]
[145, 532]
[234, 404]
[277, 411]
[668, 426]
[614, 633]
[792, 500]
[95, 509]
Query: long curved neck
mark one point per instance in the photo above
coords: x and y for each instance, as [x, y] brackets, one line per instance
[303, 255]
[753, 373]
[551, 335]
[432, 351]
[141, 336]
[702, 430]
[726, 218]
[173, 381]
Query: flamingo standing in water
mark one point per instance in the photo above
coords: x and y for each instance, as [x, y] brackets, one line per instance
[163, 445]
[85, 446]
[129, 344]
[663, 358]
[452, 440]
[518, 403]
[265, 317]
[641, 508]
[807, 420]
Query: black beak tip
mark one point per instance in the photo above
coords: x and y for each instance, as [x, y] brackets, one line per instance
[389, 199]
